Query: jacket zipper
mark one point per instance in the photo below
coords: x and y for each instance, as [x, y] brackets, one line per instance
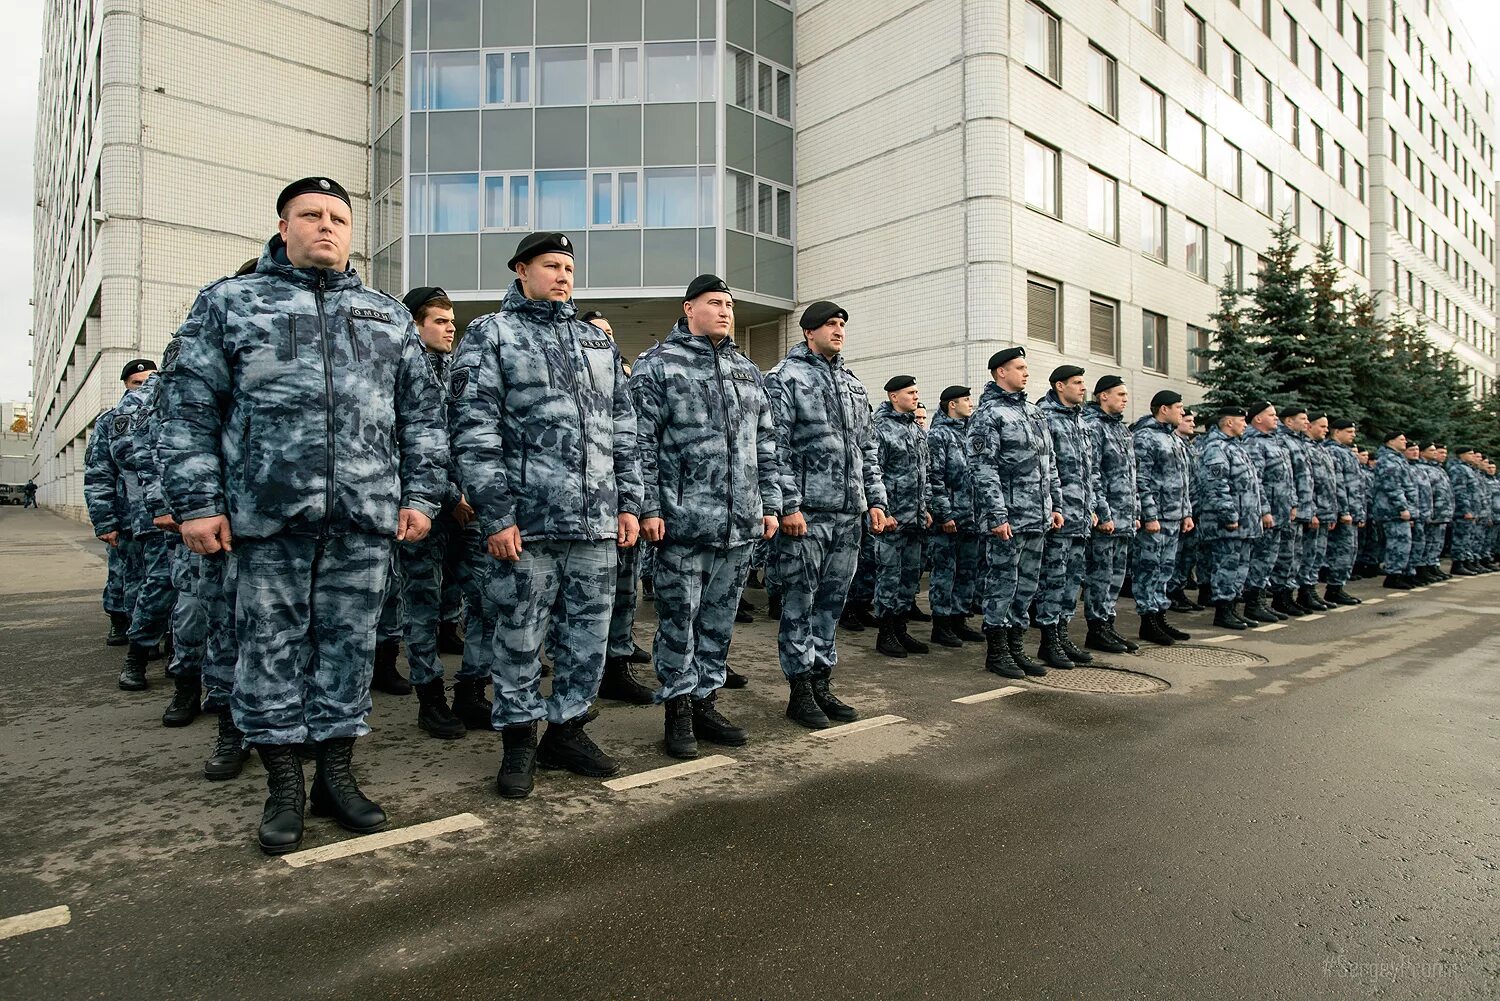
[728, 442]
[328, 399]
[838, 403]
[353, 340]
[291, 327]
[575, 352]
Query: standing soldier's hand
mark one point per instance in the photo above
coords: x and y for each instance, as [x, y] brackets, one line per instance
[1406, 516]
[879, 522]
[1188, 524]
[630, 531]
[1108, 528]
[1002, 530]
[768, 527]
[1057, 520]
[166, 523]
[1153, 526]
[793, 525]
[1267, 521]
[950, 527]
[653, 529]
[413, 526]
[928, 517]
[1346, 519]
[1314, 522]
[505, 544]
[206, 536]
[462, 512]
[112, 539]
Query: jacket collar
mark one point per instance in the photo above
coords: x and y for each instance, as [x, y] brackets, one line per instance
[538, 310]
[273, 261]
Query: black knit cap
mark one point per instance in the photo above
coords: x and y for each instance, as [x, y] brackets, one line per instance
[953, 393]
[1464, 450]
[820, 312]
[704, 284]
[534, 245]
[312, 185]
[1106, 383]
[1165, 398]
[1005, 356]
[421, 296]
[896, 383]
[139, 365]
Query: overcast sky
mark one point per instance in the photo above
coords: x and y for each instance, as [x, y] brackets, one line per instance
[20, 49]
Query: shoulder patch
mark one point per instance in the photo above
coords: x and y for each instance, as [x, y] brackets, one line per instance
[121, 424]
[361, 313]
[139, 418]
[174, 347]
[459, 382]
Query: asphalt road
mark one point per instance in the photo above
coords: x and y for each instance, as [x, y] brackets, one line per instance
[1306, 813]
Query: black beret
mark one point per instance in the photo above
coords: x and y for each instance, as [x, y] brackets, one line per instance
[820, 312]
[315, 185]
[1187, 411]
[1292, 410]
[1342, 424]
[536, 244]
[1314, 416]
[419, 297]
[1165, 398]
[1230, 412]
[1391, 436]
[1258, 407]
[1106, 383]
[896, 383]
[954, 393]
[704, 284]
[139, 365]
[1063, 373]
[1464, 450]
[1432, 444]
[1005, 356]
[593, 315]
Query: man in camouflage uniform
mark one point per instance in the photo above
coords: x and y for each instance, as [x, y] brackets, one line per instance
[1328, 506]
[544, 438]
[1367, 563]
[1234, 513]
[711, 488]
[955, 544]
[1164, 488]
[1434, 454]
[903, 462]
[1116, 510]
[104, 493]
[1017, 499]
[1343, 540]
[302, 431]
[1273, 464]
[1468, 506]
[1421, 511]
[830, 479]
[1064, 549]
[1286, 576]
[1393, 504]
[1184, 576]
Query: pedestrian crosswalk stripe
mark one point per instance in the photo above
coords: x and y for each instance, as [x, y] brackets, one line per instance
[1311, 618]
[1345, 608]
[998, 693]
[385, 839]
[1271, 627]
[857, 727]
[669, 772]
[23, 924]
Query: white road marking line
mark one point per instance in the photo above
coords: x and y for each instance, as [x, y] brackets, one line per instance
[1271, 627]
[1373, 601]
[998, 693]
[1345, 608]
[22, 924]
[384, 839]
[669, 772]
[1311, 618]
[857, 726]
[1401, 594]
[1222, 638]
[1421, 588]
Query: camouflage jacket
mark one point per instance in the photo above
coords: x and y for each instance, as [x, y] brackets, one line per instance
[134, 452]
[1493, 483]
[825, 438]
[1164, 472]
[439, 363]
[1273, 464]
[1015, 472]
[1231, 490]
[1468, 490]
[1076, 471]
[1442, 492]
[543, 427]
[1303, 485]
[1421, 510]
[297, 400]
[903, 466]
[1351, 479]
[1328, 489]
[1393, 490]
[104, 488]
[706, 440]
[1112, 457]
[948, 473]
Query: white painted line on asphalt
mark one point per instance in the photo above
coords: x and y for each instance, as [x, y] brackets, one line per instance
[1423, 588]
[1401, 594]
[1312, 618]
[1373, 601]
[1271, 627]
[23, 924]
[669, 772]
[384, 839]
[1345, 608]
[998, 693]
[1221, 638]
[857, 726]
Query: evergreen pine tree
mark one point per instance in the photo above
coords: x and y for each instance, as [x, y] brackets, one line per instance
[1278, 316]
[1324, 377]
[1233, 373]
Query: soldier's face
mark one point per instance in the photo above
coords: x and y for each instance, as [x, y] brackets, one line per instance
[1232, 426]
[710, 315]
[1012, 376]
[963, 407]
[548, 276]
[1296, 422]
[137, 379]
[1398, 443]
[318, 230]
[1171, 416]
[437, 329]
[1187, 426]
[1429, 453]
[904, 401]
[1318, 429]
[1071, 392]
[1114, 401]
[603, 325]
[921, 415]
[1441, 454]
[827, 340]
[1412, 452]
[1265, 420]
[1344, 436]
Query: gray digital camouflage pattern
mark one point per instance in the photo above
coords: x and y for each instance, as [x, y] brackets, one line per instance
[1394, 491]
[1163, 482]
[904, 471]
[1063, 554]
[955, 555]
[1116, 503]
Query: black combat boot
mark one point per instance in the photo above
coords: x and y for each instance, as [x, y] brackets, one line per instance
[1307, 597]
[1153, 629]
[566, 747]
[517, 772]
[1282, 602]
[119, 629]
[850, 620]
[229, 752]
[1255, 606]
[889, 641]
[1397, 582]
[451, 637]
[1051, 651]
[433, 714]
[997, 658]
[471, 705]
[1460, 568]
[678, 737]
[281, 821]
[915, 614]
[961, 628]
[1171, 630]
[710, 724]
[1205, 597]
[1076, 655]
[386, 678]
[639, 655]
[836, 710]
[335, 793]
[1180, 601]
[621, 684]
[802, 707]
[773, 607]
[1225, 618]
[734, 679]
[745, 613]
[1016, 637]
[1125, 641]
[1098, 638]
[1336, 594]
[942, 631]
[906, 639]
[648, 588]
[133, 674]
[185, 706]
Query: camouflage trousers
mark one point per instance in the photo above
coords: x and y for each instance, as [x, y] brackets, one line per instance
[1436, 536]
[812, 574]
[622, 613]
[1314, 548]
[214, 586]
[558, 591]
[152, 615]
[1187, 561]
[414, 601]
[698, 589]
[479, 609]
[1369, 545]
[123, 580]
[1343, 545]
[1265, 554]
[898, 570]
[1229, 562]
[1468, 539]
[189, 617]
[1063, 558]
[1104, 564]
[1396, 558]
[862, 588]
[1418, 545]
[648, 559]
[955, 572]
[306, 612]
[1287, 573]
[1012, 573]
[1153, 562]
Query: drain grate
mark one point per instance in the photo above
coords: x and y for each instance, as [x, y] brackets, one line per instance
[1205, 656]
[1104, 680]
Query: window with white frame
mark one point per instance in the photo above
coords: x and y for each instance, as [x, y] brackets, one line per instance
[1233, 166]
[1043, 168]
[1234, 72]
[1153, 116]
[1154, 13]
[757, 84]
[1234, 262]
[773, 210]
[1104, 82]
[1104, 206]
[561, 199]
[1153, 341]
[678, 197]
[615, 73]
[507, 201]
[1154, 229]
[615, 198]
[1195, 245]
[1195, 38]
[1202, 339]
[1043, 310]
[1260, 189]
[1104, 327]
[1043, 41]
[507, 78]
[1197, 152]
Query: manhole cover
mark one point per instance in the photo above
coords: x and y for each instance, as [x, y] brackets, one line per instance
[1109, 681]
[1205, 656]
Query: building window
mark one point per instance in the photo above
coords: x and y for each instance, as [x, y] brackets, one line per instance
[1319, 153]
[453, 80]
[1104, 82]
[672, 71]
[507, 201]
[453, 203]
[1042, 316]
[1291, 37]
[1043, 42]
[1234, 73]
[1234, 170]
[1234, 262]
[755, 84]
[507, 78]
[1260, 189]
[1202, 339]
[560, 199]
[1294, 207]
[1268, 100]
[562, 75]
[1104, 327]
[1154, 13]
[617, 73]
[739, 202]
[1294, 113]
[1195, 37]
[615, 198]
[773, 210]
[1104, 206]
[1153, 341]
[1042, 180]
[1195, 242]
[1153, 116]
[1197, 155]
[1317, 58]
[1154, 229]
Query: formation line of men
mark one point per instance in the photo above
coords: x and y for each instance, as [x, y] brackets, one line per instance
[316, 475]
